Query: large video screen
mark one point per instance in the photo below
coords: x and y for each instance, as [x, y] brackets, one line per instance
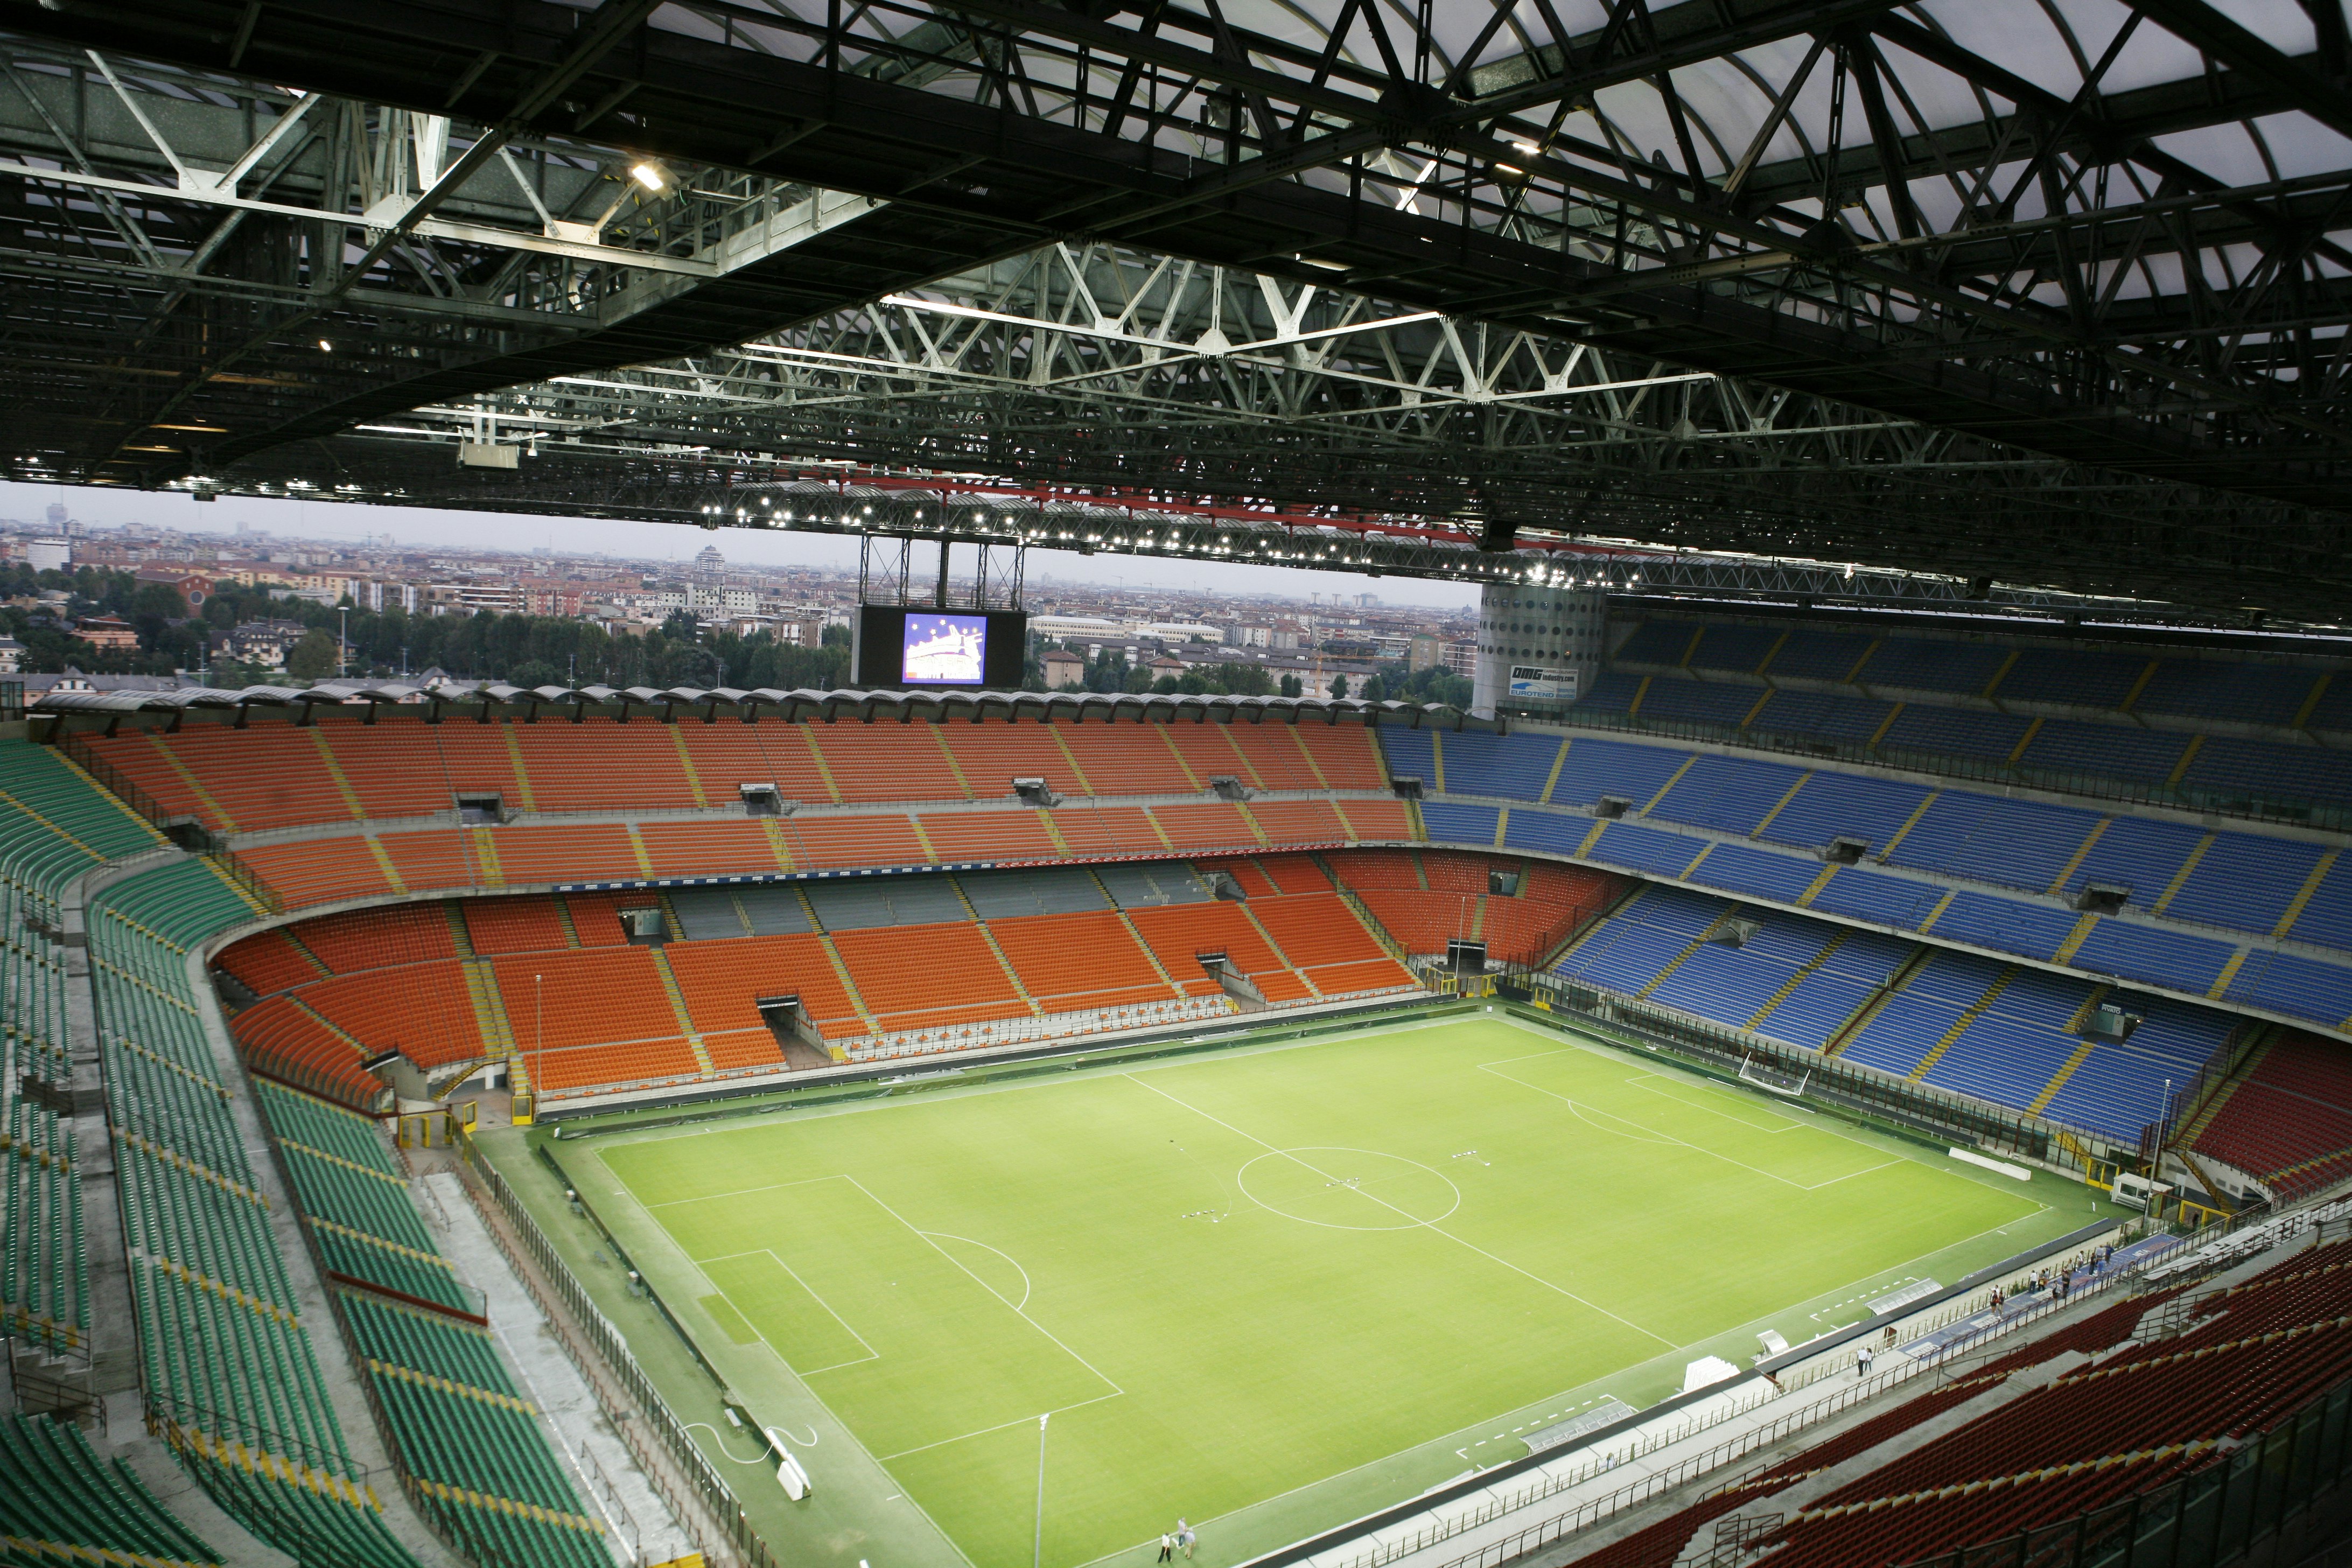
[890, 646]
[943, 651]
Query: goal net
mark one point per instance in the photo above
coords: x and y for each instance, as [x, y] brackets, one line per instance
[1771, 1082]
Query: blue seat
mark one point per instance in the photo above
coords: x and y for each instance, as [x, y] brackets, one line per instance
[1984, 919]
[1550, 831]
[1706, 702]
[1955, 731]
[1408, 752]
[2298, 986]
[2227, 688]
[1817, 1009]
[2116, 1092]
[1725, 983]
[2326, 920]
[1735, 648]
[2002, 1059]
[1902, 1032]
[2108, 751]
[1639, 848]
[2264, 770]
[1626, 769]
[1873, 896]
[1612, 691]
[1657, 642]
[1811, 654]
[2245, 881]
[2141, 852]
[2085, 677]
[1730, 794]
[1960, 978]
[1684, 912]
[1762, 873]
[1451, 823]
[1512, 766]
[1986, 838]
[2153, 956]
[1845, 805]
[1822, 713]
[1870, 956]
[1923, 664]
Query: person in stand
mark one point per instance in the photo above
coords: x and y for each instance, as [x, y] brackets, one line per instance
[1167, 1546]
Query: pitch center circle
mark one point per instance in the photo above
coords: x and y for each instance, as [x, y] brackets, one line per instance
[1349, 1189]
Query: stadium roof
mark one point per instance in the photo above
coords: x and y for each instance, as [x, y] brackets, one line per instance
[2048, 295]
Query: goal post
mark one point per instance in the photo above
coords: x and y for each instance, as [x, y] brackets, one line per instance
[1773, 1082]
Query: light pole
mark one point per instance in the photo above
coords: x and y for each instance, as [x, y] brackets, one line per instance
[538, 1031]
[1037, 1547]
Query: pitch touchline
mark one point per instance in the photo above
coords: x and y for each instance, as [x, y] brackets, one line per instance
[1392, 1208]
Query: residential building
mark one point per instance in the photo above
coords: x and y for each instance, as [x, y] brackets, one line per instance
[106, 631]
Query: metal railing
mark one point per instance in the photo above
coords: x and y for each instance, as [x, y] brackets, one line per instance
[718, 1499]
[2240, 803]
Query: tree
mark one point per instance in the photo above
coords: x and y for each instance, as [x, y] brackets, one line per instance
[1338, 686]
[1290, 687]
[680, 626]
[312, 659]
[1375, 689]
[534, 672]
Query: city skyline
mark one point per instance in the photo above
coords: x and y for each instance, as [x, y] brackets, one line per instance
[620, 540]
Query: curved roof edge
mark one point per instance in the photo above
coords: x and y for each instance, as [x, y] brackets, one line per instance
[1077, 705]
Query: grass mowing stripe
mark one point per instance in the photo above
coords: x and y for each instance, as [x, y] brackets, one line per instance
[1287, 1311]
[1429, 1224]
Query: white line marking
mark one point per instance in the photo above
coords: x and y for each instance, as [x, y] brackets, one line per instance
[740, 1191]
[1016, 1421]
[1658, 1137]
[1418, 1221]
[1026, 1289]
[768, 1253]
[1017, 1311]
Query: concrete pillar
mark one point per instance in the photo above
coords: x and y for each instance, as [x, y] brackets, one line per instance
[1552, 639]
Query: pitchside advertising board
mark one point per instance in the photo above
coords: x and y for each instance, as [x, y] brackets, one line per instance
[1536, 683]
[939, 648]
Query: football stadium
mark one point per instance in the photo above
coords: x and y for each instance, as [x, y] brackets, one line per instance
[1830, 1045]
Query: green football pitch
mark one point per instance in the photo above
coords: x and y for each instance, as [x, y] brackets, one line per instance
[1269, 1289]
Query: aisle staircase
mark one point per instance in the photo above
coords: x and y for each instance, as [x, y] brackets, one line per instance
[685, 1019]
[2249, 1056]
[1275, 948]
[1877, 1002]
[1811, 967]
[1976, 1010]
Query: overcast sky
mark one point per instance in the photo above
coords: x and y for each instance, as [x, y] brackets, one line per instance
[637, 540]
